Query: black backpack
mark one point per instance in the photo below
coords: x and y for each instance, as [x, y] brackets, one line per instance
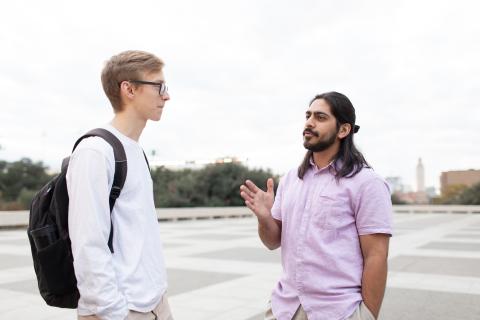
[48, 229]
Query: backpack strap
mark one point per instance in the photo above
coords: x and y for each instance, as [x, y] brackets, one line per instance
[146, 160]
[120, 169]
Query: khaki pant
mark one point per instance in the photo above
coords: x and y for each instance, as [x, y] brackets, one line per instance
[161, 312]
[361, 313]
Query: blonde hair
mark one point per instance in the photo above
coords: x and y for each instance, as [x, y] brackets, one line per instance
[127, 65]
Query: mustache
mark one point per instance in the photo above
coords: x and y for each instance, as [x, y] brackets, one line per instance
[311, 132]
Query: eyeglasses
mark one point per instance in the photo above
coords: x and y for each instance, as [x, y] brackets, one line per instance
[162, 87]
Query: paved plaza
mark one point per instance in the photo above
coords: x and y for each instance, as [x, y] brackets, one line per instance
[218, 269]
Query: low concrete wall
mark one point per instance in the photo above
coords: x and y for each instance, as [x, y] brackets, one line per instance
[13, 219]
[19, 219]
[435, 209]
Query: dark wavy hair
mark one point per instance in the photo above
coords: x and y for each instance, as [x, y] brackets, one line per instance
[352, 160]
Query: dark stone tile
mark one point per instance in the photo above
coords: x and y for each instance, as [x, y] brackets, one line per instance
[465, 246]
[244, 254]
[409, 304]
[179, 281]
[183, 280]
[436, 265]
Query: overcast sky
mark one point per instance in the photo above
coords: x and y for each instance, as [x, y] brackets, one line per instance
[241, 74]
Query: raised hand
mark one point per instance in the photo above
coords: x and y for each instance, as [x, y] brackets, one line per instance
[257, 200]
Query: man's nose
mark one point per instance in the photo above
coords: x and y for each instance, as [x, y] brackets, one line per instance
[166, 96]
[309, 123]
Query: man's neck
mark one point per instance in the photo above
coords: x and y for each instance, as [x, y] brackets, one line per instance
[323, 158]
[128, 124]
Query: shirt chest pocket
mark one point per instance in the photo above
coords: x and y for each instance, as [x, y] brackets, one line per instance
[327, 213]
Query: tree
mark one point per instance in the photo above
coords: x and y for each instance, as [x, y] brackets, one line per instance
[214, 185]
[470, 195]
[22, 174]
[451, 193]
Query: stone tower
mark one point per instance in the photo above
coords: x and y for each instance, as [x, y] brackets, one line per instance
[420, 176]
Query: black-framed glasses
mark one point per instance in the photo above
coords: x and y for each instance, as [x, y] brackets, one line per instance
[162, 87]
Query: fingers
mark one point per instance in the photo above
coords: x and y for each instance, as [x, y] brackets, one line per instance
[245, 190]
[246, 196]
[251, 186]
[270, 185]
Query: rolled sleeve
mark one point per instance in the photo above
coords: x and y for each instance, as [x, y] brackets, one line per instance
[277, 204]
[373, 212]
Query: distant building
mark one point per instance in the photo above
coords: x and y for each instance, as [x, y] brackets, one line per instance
[405, 193]
[412, 197]
[395, 184]
[460, 177]
[431, 192]
[420, 176]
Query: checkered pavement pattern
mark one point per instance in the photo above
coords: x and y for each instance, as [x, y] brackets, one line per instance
[218, 269]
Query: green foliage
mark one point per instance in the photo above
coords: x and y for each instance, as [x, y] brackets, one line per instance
[451, 194]
[175, 188]
[460, 194]
[469, 196]
[214, 185]
[19, 181]
[25, 197]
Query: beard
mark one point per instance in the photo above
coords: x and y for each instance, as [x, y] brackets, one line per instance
[321, 145]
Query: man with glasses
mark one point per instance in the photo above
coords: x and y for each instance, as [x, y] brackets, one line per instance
[130, 282]
[332, 217]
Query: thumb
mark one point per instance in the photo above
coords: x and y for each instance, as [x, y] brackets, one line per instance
[270, 185]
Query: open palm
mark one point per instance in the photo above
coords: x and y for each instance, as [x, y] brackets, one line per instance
[257, 200]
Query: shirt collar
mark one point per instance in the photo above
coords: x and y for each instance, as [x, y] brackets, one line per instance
[330, 167]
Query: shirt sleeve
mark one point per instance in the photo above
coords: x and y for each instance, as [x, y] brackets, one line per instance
[277, 204]
[89, 228]
[373, 212]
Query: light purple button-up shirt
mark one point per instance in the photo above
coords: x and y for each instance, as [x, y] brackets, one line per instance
[321, 256]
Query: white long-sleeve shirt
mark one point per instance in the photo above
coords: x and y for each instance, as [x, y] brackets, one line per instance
[134, 276]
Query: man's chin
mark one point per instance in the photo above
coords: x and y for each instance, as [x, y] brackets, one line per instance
[155, 118]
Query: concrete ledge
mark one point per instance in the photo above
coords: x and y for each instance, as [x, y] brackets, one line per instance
[13, 219]
[174, 214]
[19, 219]
[435, 209]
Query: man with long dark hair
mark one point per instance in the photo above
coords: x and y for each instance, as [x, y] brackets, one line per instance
[332, 217]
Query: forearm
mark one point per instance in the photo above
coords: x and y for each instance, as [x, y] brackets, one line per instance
[96, 277]
[98, 287]
[374, 279]
[270, 232]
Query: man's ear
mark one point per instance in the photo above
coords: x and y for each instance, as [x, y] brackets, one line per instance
[344, 130]
[127, 90]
